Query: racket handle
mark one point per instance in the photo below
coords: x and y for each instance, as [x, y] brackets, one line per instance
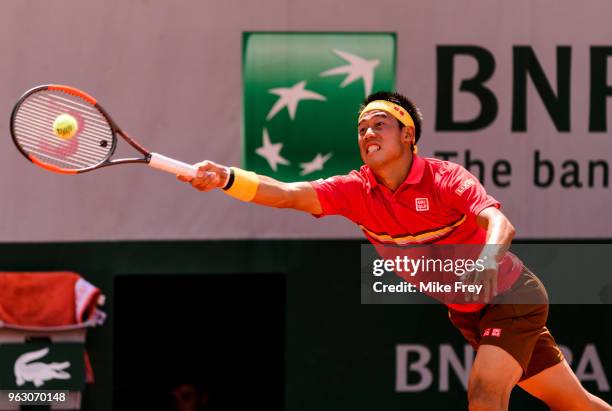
[172, 166]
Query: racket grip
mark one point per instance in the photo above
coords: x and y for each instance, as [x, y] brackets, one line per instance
[172, 166]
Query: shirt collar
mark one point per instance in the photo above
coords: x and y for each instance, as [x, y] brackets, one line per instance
[369, 176]
[414, 175]
[416, 170]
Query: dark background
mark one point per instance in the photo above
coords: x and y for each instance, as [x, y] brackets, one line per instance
[267, 324]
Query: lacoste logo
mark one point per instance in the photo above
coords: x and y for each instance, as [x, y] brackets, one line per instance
[466, 184]
[38, 372]
[422, 204]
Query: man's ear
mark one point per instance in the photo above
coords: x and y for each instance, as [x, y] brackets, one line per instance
[408, 132]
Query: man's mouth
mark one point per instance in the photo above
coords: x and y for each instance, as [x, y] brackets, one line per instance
[372, 148]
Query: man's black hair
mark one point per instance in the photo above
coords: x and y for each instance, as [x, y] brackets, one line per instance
[400, 100]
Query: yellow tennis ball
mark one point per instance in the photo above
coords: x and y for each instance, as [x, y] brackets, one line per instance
[65, 126]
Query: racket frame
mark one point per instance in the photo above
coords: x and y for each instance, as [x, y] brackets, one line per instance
[115, 129]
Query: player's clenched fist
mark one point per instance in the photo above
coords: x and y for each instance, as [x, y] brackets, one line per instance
[210, 175]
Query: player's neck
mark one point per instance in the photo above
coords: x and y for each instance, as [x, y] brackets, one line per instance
[394, 174]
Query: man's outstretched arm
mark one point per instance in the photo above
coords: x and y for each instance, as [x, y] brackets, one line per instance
[267, 191]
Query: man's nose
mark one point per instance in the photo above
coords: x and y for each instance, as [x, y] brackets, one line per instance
[369, 133]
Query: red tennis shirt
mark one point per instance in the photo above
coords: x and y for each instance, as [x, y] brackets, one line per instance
[437, 204]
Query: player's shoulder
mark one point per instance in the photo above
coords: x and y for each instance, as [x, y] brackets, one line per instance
[447, 175]
[354, 179]
[440, 168]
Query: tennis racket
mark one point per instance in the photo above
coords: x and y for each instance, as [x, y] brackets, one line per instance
[92, 139]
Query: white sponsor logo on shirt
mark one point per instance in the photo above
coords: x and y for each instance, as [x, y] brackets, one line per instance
[422, 204]
[466, 184]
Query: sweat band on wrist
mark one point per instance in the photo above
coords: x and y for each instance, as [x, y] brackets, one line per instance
[229, 178]
[242, 184]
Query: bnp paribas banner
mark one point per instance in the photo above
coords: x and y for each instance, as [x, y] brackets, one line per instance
[521, 96]
[301, 96]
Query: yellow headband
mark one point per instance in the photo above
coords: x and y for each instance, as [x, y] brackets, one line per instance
[396, 111]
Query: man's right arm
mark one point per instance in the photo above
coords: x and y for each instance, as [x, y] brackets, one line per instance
[270, 192]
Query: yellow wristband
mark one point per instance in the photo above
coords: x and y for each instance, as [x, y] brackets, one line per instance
[242, 184]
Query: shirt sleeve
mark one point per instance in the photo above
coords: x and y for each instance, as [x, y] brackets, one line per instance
[336, 195]
[463, 192]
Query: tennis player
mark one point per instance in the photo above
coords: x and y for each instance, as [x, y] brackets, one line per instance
[398, 197]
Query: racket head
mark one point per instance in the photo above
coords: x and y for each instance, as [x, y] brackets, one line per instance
[32, 130]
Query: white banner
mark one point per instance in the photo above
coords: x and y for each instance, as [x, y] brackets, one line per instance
[520, 93]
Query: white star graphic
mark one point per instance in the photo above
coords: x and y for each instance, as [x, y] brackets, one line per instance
[357, 68]
[315, 164]
[271, 152]
[290, 97]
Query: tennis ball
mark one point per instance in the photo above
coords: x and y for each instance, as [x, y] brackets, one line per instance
[65, 126]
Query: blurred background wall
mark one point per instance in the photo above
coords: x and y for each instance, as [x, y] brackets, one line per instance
[170, 73]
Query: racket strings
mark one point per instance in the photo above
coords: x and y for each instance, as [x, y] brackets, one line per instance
[34, 133]
[39, 125]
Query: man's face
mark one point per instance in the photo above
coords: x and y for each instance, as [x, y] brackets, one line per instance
[381, 140]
